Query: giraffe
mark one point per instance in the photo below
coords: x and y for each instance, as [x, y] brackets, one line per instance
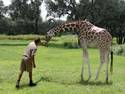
[89, 35]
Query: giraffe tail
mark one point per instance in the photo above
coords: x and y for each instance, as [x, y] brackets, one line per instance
[111, 64]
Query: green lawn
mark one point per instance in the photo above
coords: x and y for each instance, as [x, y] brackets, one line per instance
[58, 70]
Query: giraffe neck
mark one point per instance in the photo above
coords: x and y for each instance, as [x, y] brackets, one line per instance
[67, 27]
[75, 27]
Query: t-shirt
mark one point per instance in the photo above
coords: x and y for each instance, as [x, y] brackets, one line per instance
[30, 50]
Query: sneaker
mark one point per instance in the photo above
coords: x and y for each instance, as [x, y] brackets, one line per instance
[32, 84]
[17, 84]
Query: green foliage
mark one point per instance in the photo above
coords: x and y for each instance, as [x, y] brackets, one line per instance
[119, 50]
[3, 9]
[25, 9]
[4, 26]
[71, 45]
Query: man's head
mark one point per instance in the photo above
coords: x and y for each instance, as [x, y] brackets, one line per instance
[37, 41]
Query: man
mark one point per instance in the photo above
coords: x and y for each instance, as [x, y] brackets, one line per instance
[28, 61]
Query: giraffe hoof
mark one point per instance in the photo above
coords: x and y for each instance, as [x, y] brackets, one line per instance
[107, 80]
[89, 78]
[82, 79]
[96, 78]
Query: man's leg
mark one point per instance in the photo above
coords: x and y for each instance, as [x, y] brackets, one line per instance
[19, 78]
[30, 78]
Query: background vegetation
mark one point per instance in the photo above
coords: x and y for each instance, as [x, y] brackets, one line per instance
[23, 16]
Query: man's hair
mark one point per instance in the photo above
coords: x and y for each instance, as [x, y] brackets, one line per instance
[37, 40]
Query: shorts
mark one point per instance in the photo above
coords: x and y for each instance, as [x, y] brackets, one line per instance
[26, 64]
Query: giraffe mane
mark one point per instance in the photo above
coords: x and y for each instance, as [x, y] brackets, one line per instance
[52, 32]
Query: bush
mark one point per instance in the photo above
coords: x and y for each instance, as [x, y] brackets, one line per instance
[119, 50]
[71, 45]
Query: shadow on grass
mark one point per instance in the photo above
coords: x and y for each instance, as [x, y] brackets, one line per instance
[25, 86]
[50, 45]
[61, 46]
[96, 83]
[37, 82]
[47, 79]
[43, 79]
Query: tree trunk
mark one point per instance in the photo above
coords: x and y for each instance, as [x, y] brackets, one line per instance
[79, 42]
[124, 40]
[36, 26]
[120, 39]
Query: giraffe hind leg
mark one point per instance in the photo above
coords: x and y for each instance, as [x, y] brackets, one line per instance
[107, 63]
[102, 60]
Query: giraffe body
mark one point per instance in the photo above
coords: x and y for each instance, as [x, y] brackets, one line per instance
[89, 35]
[97, 37]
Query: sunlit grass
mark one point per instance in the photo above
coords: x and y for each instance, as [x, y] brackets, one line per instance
[58, 70]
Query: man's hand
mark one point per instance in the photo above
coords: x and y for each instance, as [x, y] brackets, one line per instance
[33, 60]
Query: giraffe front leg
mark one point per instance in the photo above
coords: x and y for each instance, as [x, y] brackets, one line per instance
[89, 70]
[82, 72]
[86, 60]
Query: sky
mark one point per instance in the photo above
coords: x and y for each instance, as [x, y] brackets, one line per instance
[43, 9]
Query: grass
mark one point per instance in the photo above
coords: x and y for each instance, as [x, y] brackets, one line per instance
[58, 70]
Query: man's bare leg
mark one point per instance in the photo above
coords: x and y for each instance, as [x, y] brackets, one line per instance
[31, 81]
[19, 78]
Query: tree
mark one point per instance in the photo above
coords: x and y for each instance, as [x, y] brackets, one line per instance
[59, 8]
[108, 14]
[18, 9]
[35, 11]
[3, 9]
[26, 11]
